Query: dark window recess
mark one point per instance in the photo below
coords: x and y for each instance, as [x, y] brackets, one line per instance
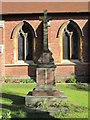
[29, 47]
[74, 43]
[20, 47]
[74, 46]
[66, 51]
[29, 43]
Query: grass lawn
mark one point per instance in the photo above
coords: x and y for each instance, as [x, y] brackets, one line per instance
[13, 100]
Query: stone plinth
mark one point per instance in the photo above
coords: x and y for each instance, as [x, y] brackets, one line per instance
[45, 90]
[45, 76]
[47, 93]
[32, 100]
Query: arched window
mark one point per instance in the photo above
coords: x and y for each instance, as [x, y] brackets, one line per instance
[70, 37]
[25, 43]
[70, 42]
[20, 47]
[66, 53]
[23, 37]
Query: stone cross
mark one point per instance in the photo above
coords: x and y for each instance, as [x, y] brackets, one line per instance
[45, 20]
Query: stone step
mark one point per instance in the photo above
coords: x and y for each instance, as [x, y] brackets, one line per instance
[48, 99]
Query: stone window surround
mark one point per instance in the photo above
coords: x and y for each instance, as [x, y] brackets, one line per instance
[1, 48]
[2, 25]
[2, 22]
[14, 37]
[62, 61]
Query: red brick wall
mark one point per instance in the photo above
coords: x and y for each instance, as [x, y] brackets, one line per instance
[1, 35]
[65, 71]
[82, 70]
[16, 70]
[2, 55]
[57, 21]
[2, 68]
[32, 71]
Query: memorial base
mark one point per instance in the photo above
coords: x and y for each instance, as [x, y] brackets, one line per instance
[47, 93]
[38, 106]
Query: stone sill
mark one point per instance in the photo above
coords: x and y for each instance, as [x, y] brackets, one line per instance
[2, 23]
[7, 65]
[70, 63]
[21, 63]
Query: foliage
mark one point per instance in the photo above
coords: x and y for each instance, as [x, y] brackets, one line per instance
[22, 81]
[62, 81]
[7, 115]
[18, 114]
[77, 99]
[14, 96]
[8, 80]
[57, 81]
[72, 80]
[41, 104]
[27, 81]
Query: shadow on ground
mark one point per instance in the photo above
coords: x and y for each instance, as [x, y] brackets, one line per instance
[18, 103]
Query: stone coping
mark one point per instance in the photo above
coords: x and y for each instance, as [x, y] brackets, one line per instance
[21, 63]
[57, 64]
[24, 64]
[68, 63]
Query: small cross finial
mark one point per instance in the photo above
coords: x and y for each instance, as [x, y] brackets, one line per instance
[45, 12]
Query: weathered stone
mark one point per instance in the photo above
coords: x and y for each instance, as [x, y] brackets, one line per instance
[45, 76]
[32, 100]
[45, 20]
[45, 113]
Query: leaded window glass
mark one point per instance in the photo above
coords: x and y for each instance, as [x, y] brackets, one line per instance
[25, 43]
[70, 43]
[20, 47]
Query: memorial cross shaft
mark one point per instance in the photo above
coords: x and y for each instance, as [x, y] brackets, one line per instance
[45, 19]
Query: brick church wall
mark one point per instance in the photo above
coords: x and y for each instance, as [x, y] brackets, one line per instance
[2, 52]
[16, 70]
[57, 21]
[2, 68]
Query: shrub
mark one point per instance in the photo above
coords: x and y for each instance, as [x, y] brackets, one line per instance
[62, 81]
[7, 116]
[29, 81]
[57, 81]
[18, 114]
[8, 80]
[72, 80]
[22, 81]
